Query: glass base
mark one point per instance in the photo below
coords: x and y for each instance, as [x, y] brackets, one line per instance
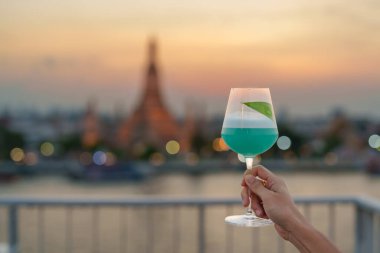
[247, 220]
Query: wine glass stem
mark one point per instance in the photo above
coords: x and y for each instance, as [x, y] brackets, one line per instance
[249, 163]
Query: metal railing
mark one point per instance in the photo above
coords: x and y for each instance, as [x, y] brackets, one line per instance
[197, 223]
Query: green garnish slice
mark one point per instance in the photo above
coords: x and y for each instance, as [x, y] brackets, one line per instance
[261, 107]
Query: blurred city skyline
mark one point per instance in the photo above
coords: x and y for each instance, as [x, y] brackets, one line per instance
[313, 56]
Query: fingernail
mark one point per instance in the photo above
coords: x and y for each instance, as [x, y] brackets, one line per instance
[249, 179]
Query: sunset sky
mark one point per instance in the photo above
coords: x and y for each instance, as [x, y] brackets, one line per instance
[314, 55]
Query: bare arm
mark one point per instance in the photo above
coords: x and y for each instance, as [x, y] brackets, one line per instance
[274, 201]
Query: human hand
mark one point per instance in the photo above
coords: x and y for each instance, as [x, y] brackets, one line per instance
[271, 201]
[274, 201]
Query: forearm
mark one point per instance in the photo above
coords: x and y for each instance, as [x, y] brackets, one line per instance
[309, 240]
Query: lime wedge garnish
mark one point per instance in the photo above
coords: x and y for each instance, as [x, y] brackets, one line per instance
[261, 107]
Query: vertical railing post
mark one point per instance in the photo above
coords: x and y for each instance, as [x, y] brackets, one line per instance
[69, 229]
[12, 229]
[363, 231]
[41, 229]
[280, 245]
[376, 233]
[176, 230]
[149, 229]
[229, 233]
[123, 229]
[201, 228]
[332, 222]
[95, 229]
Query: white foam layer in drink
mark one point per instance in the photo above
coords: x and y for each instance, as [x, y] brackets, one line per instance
[248, 120]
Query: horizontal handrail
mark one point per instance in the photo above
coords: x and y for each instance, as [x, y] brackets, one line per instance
[368, 203]
[367, 211]
[169, 201]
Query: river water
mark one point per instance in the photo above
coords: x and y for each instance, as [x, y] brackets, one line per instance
[208, 185]
[184, 238]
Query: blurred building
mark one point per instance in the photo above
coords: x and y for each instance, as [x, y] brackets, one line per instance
[91, 126]
[5, 119]
[151, 124]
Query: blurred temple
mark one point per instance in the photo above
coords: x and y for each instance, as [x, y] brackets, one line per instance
[151, 124]
[91, 126]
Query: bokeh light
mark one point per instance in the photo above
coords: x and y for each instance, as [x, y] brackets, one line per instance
[99, 158]
[377, 144]
[110, 159]
[374, 141]
[17, 154]
[241, 158]
[256, 159]
[47, 149]
[284, 143]
[219, 145]
[172, 147]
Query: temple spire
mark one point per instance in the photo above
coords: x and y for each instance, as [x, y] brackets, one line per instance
[151, 122]
[152, 53]
[152, 93]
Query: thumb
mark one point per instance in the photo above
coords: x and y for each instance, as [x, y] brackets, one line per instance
[256, 186]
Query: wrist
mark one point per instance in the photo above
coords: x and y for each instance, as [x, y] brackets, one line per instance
[298, 229]
[297, 223]
[300, 234]
[307, 239]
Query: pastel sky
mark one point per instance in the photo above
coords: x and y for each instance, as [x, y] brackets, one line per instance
[314, 55]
